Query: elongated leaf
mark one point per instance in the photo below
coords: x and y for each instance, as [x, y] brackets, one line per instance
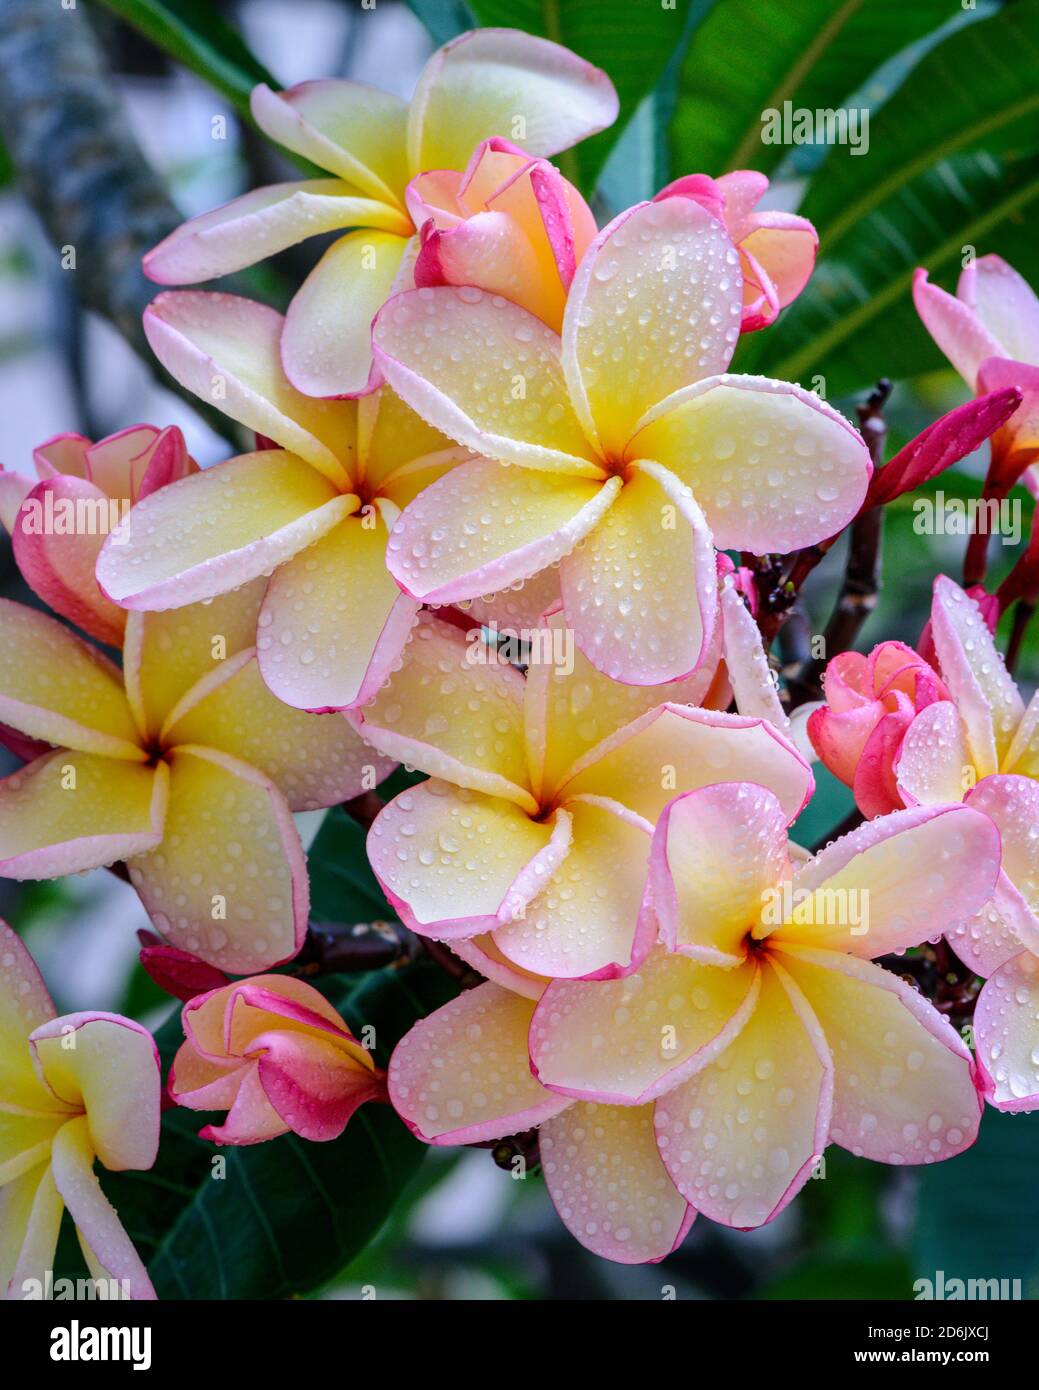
[192, 32]
[286, 1215]
[631, 40]
[751, 55]
[342, 885]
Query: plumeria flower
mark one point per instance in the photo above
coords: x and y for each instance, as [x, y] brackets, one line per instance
[275, 1055]
[510, 224]
[183, 764]
[316, 512]
[759, 1030]
[777, 249]
[630, 454]
[59, 523]
[73, 1090]
[489, 82]
[531, 839]
[990, 333]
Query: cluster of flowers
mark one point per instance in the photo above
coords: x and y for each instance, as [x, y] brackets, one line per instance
[480, 408]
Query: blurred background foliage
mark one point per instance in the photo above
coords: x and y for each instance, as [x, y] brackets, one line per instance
[952, 166]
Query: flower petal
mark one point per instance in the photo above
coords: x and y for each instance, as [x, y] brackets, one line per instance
[261, 223]
[608, 1184]
[314, 1086]
[24, 1005]
[1006, 305]
[448, 858]
[326, 344]
[894, 882]
[504, 82]
[57, 688]
[675, 748]
[483, 527]
[486, 373]
[314, 760]
[96, 1220]
[772, 465]
[716, 854]
[627, 1041]
[784, 245]
[955, 327]
[454, 709]
[333, 623]
[747, 661]
[654, 306]
[641, 591]
[462, 1075]
[229, 882]
[741, 1137]
[582, 924]
[227, 350]
[218, 529]
[13, 491]
[903, 1085]
[30, 1220]
[934, 764]
[1007, 1035]
[484, 957]
[349, 128]
[67, 812]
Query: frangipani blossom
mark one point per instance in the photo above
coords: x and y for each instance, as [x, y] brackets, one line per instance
[631, 457]
[489, 82]
[183, 764]
[73, 1090]
[527, 849]
[777, 249]
[277, 1056]
[317, 512]
[713, 1077]
[511, 224]
[59, 524]
[990, 333]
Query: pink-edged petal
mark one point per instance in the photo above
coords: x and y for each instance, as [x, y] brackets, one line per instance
[229, 881]
[260, 224]
[894, 882]
[504, 82]
[741, 1137]
[65, 453]
[67, 812]
[333, 623]
[608, 1184]
[24, 1005]
[1006, 1034]
[59, 565]
[454, 709]
[252, 1119]
[784, 245]
[570, 706]
[462, 1075]
[875, 782]
[30, 1220]
[1006, 305]
[13, 491]
[903, 1079]
[314, 1086]
[449, 858]
[935, 764]
[627, 1041]
[676, 748]
[227, 350]
[349, 128]
[753, 687]
[218, 529]
[771, 464]
[1009, 921]
[583, 922]
[483, 527]
[315, 760]
[57, 688]
[326, 344]
[486, 959]
[654, 306]
[107, 1066]
[1015, 444]
[491, 251]
[986, 695]
[955, 327]
[641, 592]
[987, 939]
[717, 852]
[486, 373]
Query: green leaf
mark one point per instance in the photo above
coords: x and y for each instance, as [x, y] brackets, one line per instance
[445, 19]
[288, 1214]
[952, 164]
[752, 55]
[342, 885]
[631, 40]
[192, 32]
[976, 1215]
